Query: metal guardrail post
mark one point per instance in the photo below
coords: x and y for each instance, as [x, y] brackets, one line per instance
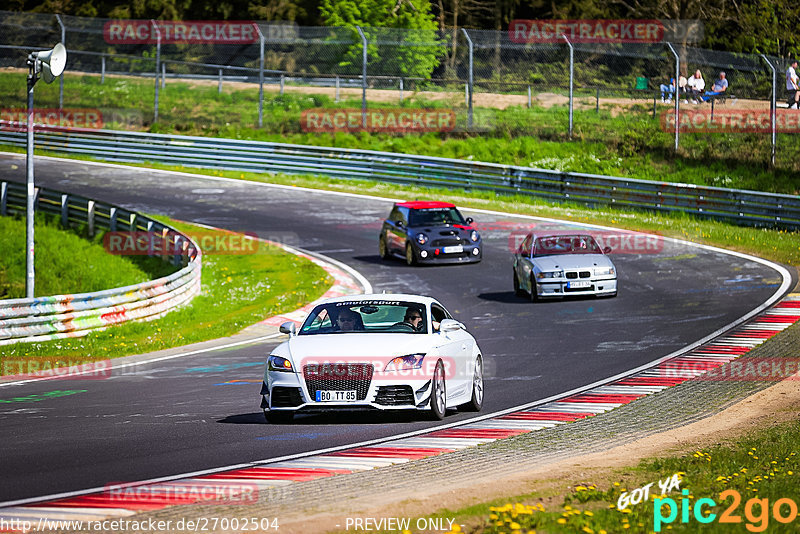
[163, 74]
[64, 209]
[112, 219]
[102, 69]
[260, 77]
[571, 80]
[337, 88]
[90, 217]
[470, 85]
[529, 98]
[363, 78]
[773, 109]
[3, 198]
[401, 89]
[677, 94]
[219, 85]
[158, 61]
[61, 78]
[597, 101]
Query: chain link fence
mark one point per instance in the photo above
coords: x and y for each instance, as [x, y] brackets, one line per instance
[138, 75]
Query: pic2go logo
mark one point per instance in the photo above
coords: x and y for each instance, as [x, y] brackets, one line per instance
[756, 511]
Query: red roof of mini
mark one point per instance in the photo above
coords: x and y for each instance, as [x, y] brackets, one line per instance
[425, 204]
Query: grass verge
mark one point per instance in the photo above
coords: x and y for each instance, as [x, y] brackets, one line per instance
[748, 479]
[237, 291]
[619, 139]
[66, 263]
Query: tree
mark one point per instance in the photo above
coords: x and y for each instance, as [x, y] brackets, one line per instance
[414, 52]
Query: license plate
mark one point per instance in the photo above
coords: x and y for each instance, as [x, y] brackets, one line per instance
[455, 249]
[578, 285]
[329, 396]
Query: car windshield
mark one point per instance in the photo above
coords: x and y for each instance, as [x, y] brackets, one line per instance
[376, 316]
[565, 244]
[435, 217]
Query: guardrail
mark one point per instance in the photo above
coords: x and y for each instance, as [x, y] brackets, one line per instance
[739, 206]
[61, 316]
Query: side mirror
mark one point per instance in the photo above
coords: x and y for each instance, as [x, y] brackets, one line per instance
[400, 224]
[607, 250]
[470, 220]
[289, 328]
[450, 325]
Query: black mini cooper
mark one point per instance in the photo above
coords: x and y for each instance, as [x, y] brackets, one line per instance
[429, 232]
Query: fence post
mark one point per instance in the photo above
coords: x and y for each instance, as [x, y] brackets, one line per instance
[571, 80]
[773, 110]
[597, 101]
[530, 104]
[61, 78]
[260, 77]
[337, 88]
[363, 78]
[401, 89]
[283, 77]
[219, 85]
[64, 210]
[90, 217]
[102, 69]
[3, 197]
[470, 86]
[677, 94]
[163, 74]
[158, 64]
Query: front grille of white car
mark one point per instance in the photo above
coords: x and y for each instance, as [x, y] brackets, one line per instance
[338, 377]
[575, 274]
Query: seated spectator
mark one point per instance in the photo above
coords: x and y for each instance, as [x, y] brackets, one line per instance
[694, 86]
[667, 91]
[720, 86]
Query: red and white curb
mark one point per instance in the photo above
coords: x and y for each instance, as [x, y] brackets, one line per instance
[272, 475]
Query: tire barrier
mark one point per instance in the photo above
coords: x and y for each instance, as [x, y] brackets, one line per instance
[63, 316]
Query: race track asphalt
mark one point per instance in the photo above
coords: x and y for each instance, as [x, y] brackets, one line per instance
[202, 411]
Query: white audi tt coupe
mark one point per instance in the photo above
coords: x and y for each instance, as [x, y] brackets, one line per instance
[374, 352]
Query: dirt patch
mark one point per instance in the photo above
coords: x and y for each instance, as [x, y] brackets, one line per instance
[775, 405]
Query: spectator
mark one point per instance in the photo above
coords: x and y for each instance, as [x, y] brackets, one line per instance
[792, 88]
[669, 90]
[720, 86]
[695, 86]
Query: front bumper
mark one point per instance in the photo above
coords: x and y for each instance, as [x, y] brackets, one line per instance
[470, 254]
[552, 288]
[289, 392]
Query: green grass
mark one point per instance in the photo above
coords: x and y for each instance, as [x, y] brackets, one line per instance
[618, 141]
[762, 465]
[66, 263]
[237, 291]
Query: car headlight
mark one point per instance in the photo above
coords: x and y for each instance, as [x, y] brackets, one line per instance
[549, 274]
[422, 238]
[405, 363]
[474, 235]
[604, 271]
[276, 363]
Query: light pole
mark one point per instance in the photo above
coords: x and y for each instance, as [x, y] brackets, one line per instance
[49, 65]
